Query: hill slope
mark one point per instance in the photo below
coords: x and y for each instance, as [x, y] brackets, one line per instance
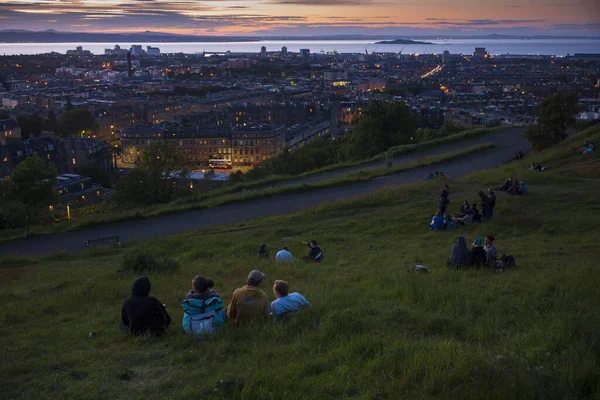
[374, 330]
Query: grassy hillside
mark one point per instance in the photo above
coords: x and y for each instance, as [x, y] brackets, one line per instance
[375, 330]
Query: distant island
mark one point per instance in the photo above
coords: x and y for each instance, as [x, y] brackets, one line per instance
[402, 41]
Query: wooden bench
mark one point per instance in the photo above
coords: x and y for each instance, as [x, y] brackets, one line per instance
[106, 241]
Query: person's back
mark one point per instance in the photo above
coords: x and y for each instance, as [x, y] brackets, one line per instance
[286, 302]
[523, 189]
[142, 313]
[437, 222]
[284, 255]
[459, 256]
[249, 302]
[263, 252]
[203, 308]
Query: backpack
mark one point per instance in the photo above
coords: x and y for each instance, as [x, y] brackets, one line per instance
[508, 261]
[202, 317]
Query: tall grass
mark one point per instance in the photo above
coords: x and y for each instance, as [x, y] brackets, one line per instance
[375, 330]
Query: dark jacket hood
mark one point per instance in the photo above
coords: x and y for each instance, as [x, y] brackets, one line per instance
[141, 287]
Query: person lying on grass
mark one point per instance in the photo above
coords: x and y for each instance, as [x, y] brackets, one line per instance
[143, 313]
[249, 302]
[285, 302]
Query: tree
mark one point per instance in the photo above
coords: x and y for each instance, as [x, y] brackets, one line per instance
[31, 125]
[34, 183]
[383, 125]
[133, 189]
[161, 160]
[555, 115]
[51, 122]
[73, 122]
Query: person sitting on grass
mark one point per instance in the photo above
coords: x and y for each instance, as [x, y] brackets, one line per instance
[315, 254]
[515, 188]
[263, 252]
[429, 176]
[466, 219]
[476, 214]
[491, 252]
[249, 302]
[464, 209]
[284, 255]
[203, 308]
[437, 222]
[478, 255]
[142, 313]
[523, 188]
[460, 254]
[507, 185]
[285, 302]
[537, 167]
[449, 223]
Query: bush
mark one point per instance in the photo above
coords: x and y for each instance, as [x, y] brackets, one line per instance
[146, 263]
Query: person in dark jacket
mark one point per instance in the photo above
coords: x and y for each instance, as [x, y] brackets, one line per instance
[460, 254]
[314, 254]
[443, 201]
[142, 313]
[464, 209]
[491, 201]
[478, 256]
[263, 252]
[485, 207]
[475, 212]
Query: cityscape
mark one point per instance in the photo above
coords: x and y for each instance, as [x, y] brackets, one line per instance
[302, 164]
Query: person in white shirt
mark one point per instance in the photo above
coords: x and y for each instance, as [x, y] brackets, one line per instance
[284, 255]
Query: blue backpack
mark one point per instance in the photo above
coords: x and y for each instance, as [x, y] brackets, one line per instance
[202, 317]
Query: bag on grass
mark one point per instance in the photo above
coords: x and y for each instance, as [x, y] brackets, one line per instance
[508, 261]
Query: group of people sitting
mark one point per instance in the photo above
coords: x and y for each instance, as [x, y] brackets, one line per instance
[438, 175]
[469, 213]
[513, 186]
[481, 253]
[204, 309]
[537, 167]
[315, 254]
[587, 147]
[518, 155]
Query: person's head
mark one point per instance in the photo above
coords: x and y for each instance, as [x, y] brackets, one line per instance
[263, 246]
[280, 288]
[439, 214]
[141, 286]
[313, 243]
[481, 193]
[285, 248]
[490, 191]
[489, 240]
[461, 241]
[466, 202]
[478, 242]
[255, 278]
[201, 284]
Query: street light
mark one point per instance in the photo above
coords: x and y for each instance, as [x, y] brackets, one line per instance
[69, 211]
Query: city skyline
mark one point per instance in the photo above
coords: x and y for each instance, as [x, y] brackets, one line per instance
[307, 17]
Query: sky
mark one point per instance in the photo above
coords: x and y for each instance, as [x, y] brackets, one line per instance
[307, 17]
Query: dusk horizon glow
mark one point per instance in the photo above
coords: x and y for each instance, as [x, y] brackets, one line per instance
[307, 17]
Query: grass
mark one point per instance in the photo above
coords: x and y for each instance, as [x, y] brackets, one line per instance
[374, 331]
[226, 196]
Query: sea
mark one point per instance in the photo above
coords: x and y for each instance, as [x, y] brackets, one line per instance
[556, 47]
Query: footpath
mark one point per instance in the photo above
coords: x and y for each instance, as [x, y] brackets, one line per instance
[509, 142]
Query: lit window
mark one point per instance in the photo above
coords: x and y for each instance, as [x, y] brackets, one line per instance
[73, 161]
[82, 197]
[81, 186]
[48, 155]
[97, 193]
[5, 159]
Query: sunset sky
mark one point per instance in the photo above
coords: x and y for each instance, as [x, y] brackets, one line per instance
[308, 17]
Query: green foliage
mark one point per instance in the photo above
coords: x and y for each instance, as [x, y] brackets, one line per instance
[97, 174]
[383, 125]
[31, 125]
[144, 263]
[555, 114]
[51, 122]
[133, 189]
[161, 160]
[75, 121]
[33, 184]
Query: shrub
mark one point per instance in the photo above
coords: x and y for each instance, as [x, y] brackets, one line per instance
[146, 263]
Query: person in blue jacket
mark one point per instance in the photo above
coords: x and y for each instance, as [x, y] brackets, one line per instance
[449, 223]
[429, 176]
[203, 308]
[437, 222]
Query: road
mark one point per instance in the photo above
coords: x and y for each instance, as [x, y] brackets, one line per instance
[509, 141]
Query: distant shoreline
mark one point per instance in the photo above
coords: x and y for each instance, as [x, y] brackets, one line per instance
[402, 41]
